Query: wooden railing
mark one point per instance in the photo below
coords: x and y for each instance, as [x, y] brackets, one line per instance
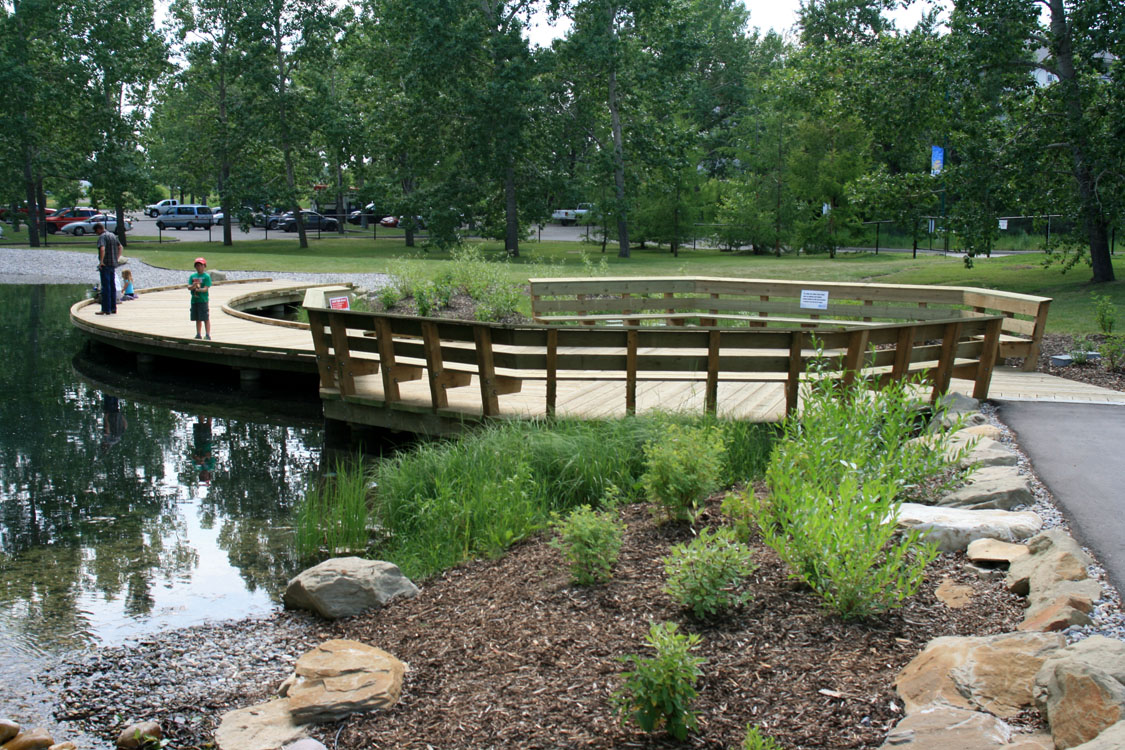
[452, 354]
[735, 302]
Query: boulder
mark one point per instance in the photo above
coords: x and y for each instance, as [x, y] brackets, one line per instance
[993, 487]
[1053, 557]
[1110, 739]
[307, 743]
[1058, 614]
[267, 726]
[945, 728]
[218, 275]
[341, 677]
[952, 529]
[990, 431]
[64, 746]
[987, 452]
[36, 739]
[1081, 690]
[1037, 741]
[142, 734]
[8, 730]
[960, 421]
[953, 402]
[993, 673]
[346, 586]
[995, 551]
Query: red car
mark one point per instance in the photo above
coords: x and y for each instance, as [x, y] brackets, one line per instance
[64, 216]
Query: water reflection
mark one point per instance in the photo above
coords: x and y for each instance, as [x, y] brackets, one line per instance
[121, 515]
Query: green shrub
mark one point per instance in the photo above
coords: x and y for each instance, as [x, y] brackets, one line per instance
[498, 302]
[332, 517]
[1113, 352]
[445, 289]
[1105, 313]
[424, 298]
[682, 465]
[389, 296]
[1080, 350]
[660, 689]
[755, 740]
[738, 507]
[708, 574]
[837, 479]
[590, 542]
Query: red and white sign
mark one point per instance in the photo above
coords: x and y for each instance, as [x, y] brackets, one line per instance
[338, 303]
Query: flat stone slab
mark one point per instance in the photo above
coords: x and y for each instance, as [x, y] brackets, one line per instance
[946, 728]
[952, 529]
[995, 551]
[266, 726]
[991, 488]
[341, 677]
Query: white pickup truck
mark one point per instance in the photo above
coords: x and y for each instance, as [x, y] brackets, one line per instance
[155, 209]
[567, 216]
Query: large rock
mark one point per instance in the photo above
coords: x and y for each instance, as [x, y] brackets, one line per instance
[993, 487]
[985, 452]
[1081, 690]
[1110, 739]
[993, 673]
[8, 730]
[952, 529]
[136, 736]
[1053, 557]
[341, 677]
[36, 739]
[346, 586]
[946, 728]
[995, 551]
[267, 726]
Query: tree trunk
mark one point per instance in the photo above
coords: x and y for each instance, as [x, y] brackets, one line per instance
[1092, 214]
[119, 212]
[224, 159]
[41, 203]
[512, 223]
[29, 187]
[618, 168]
[341, 211]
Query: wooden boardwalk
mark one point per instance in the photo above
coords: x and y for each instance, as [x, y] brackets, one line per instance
[157, 324]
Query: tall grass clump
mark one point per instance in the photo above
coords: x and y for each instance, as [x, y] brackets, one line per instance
[332, 517]
[837, 478]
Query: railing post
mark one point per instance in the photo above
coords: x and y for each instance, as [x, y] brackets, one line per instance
[343, 354]
[949, 339]
[711, 397]
[385, 341]
[988, 356]
[904, 349]
[853, 360]
[1031, 364]
[431, 344]
[324, 362]
[631, 371]
[796, 366]
[552, 370]
[486, 371]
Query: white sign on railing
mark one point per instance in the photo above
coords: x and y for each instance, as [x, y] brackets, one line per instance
[814, 299]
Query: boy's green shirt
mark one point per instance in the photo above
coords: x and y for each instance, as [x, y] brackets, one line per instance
[205, 282]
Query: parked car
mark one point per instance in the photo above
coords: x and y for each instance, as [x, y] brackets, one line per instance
[186, 217]
[356, 217]
[268, 218]
[64, 216]
[311, 219]
[394, 221]
[162, 207]
[566, 216]
[86, 226]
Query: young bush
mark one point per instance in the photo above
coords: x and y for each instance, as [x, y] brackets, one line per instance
[755, 740]
[659, 690]
[682, 466]
[1113, 352]
[738, 506]
[707, 575]
[389, 296]
[1105, 313]
[1080, 350]
[837, 479]
[498, 302]
[590, 542]
[424, 298]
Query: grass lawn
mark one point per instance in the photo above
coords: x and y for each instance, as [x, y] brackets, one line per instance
[1071, 312]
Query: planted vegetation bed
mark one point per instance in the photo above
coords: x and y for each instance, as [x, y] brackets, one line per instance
[507, 653]
[1094, 373]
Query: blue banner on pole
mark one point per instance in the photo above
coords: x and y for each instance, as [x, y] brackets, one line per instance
[937, 160]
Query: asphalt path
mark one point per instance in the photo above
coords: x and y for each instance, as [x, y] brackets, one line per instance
[1078, 451]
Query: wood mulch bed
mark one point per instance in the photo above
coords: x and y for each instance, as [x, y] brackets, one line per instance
[506, 653]
[1094, 373]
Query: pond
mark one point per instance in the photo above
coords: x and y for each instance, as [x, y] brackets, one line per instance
[128, 507]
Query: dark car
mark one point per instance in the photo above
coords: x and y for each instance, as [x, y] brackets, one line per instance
[311, 219]
[356, 217]
[268, 218]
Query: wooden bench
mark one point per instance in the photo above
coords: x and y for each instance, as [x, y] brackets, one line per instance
[681, 301]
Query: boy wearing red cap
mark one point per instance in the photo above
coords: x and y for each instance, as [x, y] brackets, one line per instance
[199, 282]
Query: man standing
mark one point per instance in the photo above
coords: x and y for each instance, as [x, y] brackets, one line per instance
[109, 253]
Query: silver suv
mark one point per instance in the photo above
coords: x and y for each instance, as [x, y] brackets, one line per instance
[186, 217]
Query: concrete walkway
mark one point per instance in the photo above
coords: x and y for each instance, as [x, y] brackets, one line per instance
[1078, 450]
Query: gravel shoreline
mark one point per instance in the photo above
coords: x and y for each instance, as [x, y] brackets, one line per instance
[24, 266]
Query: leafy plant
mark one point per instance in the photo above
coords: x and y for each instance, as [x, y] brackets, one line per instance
[498, 302]
[590, 542]
[1105, 313]
[738, 506]
[682, 466]
[660, 689]
[389, 296]
[1113, 352]
[1080, 350]
[755, 740]
[445, 289]
[424, 298]
[837, 479]
[707, 575]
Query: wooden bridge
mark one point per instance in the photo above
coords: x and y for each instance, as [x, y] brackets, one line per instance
[438, 376]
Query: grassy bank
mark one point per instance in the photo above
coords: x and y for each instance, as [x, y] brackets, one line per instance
[448, 501]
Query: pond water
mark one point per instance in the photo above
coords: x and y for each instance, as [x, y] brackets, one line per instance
[125, 507]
